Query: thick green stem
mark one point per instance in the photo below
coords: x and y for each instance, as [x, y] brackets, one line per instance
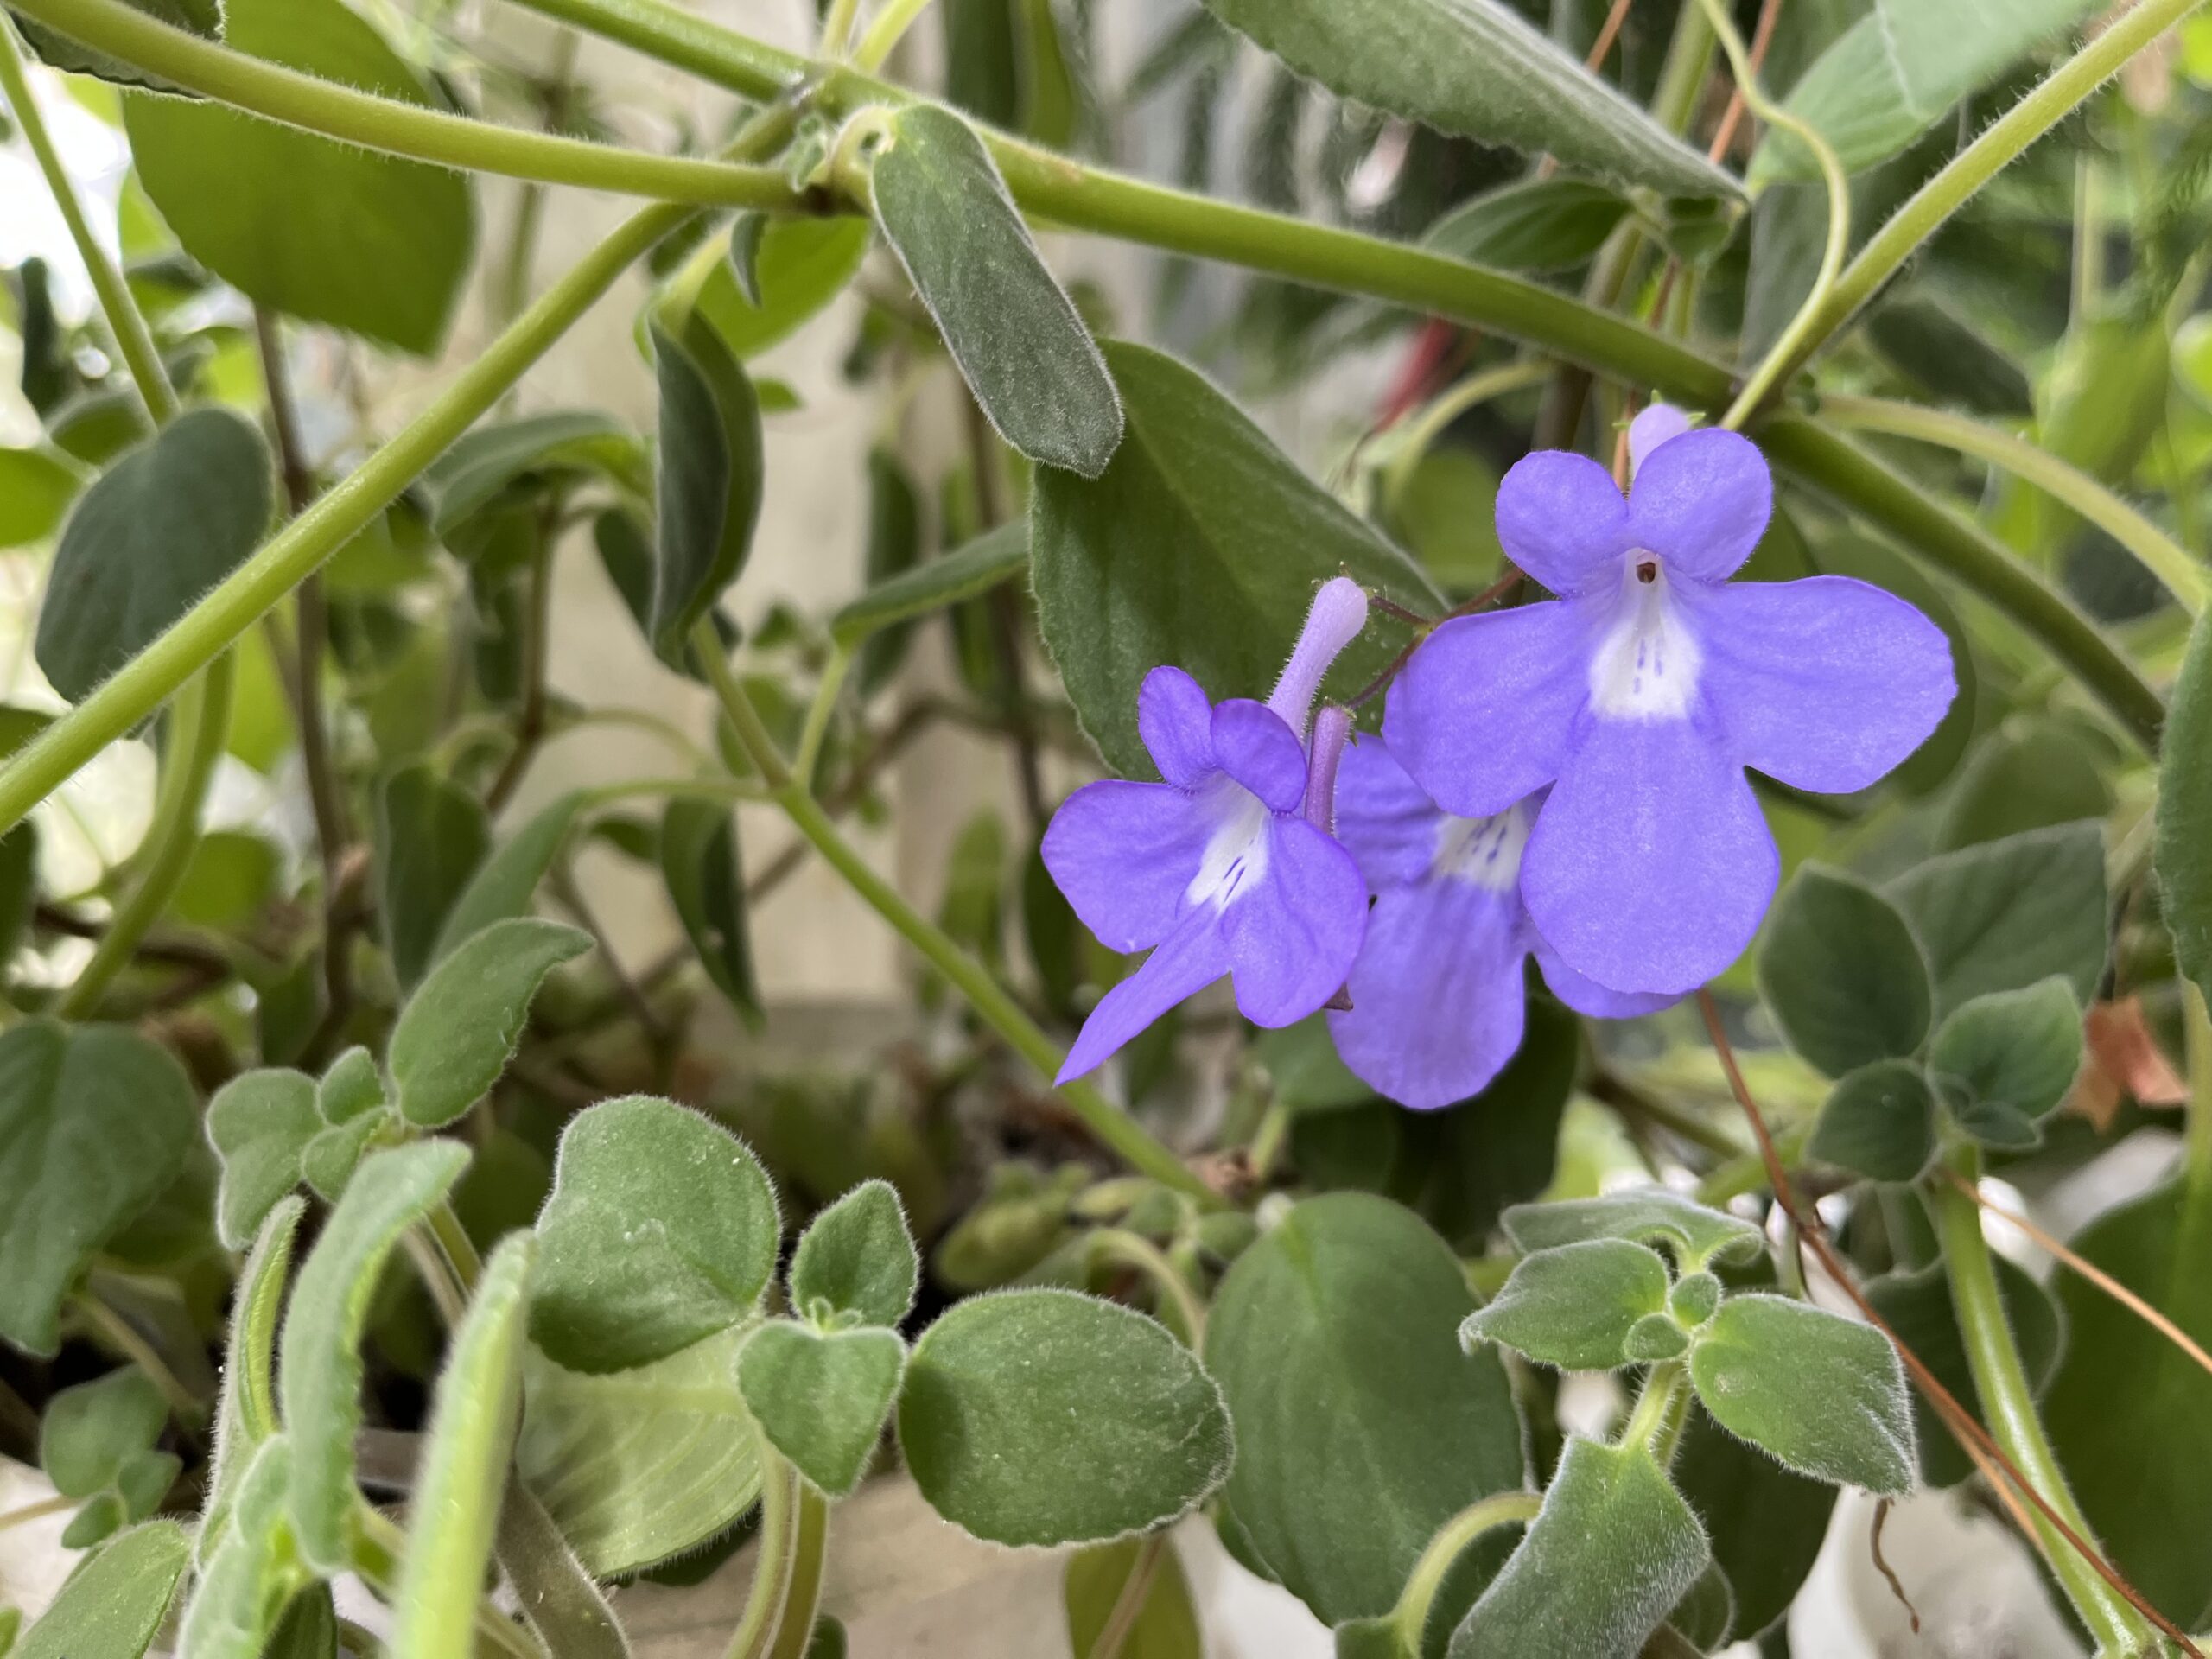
[250, 592]
[1648, 1425]
[199, 721]
[1409, 1619]
[2009, 1404]
[884, 34]
[2001, 142]
[2185, 578]
[1114, 1127]
[803, 1593]
[315, 105]
[774, 1561]
[133, 337]
[1964, 551]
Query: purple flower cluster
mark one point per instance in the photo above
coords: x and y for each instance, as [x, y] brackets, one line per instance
[1564, 779]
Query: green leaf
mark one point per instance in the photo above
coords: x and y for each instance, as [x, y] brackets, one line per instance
[895, 549]
[1025, 352]
[463, 1023]
[201, 17]
[711, 479]
[259, 1122]
[1529, 225]
[309, 1629]
[320, 230]
[1878, 1122]
[1200, 546]
[1840, 970]
[567, 1610]
[2002, 915]
[114, 1605]
[661, 1229]
[90, 1431]
[18, 886]
[1472, 68]
[2184, 855]
[320, 1376]
[155, 531]
[95, 1123]
[455, 1502]
[327, 1162]
[2026, 777]
[706, 883]
[994, 557]
[565, 444]
[430, 837]
[1917, 1307]
[1765, 1524]
[2004, 1061]
[1573, 1306]
[1947, 357]
[1046, 1417]
[1166, 1623]
[250, 1569]
[1343, 1313]
[350, 1086]
[1824, 1394]
[800, 266]
[640, 1465]
[246, 1411]
[822, 1397]
[2129, 1413]
[858, 1257]
[504, 883]
[228, 881]
[1611, 1552]
[36, 486]
[1895, 73]
[1694, 1233]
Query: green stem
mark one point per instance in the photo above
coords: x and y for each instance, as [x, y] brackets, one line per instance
[200, 723]
[1409, 1619]
[2197, 1039]
[2163, 557]
[1411, 440]
[133, 337]
[1141, 1255]
[315, 105]
[818, 715]
[458, 1248]
[802, 1594]
[244, 597]
[2002, 141]
[773, 1563]
[1963, 551]
[1779, 359]
[837, 27]
[29, 1512]
[884, 34]
[1655, 1408]
[379, 1548]
[1114, 1127]
[2009, 1404]
[123, 1337]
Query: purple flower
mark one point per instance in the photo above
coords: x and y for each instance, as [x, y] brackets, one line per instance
[1437, 995]
[1227, 867]
[1644, 690]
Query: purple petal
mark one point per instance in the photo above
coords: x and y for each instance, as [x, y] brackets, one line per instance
[1175, 719]
[1124, 855]
[1294, 929]
[1660, 424]
[1561, 518]
[1383, 818]
[1437, 1000]
[1190, 958]
[1826, 684]
[1585, 996]
[1481, 716]
[1252, 744]
[1650, 865]
[1701, 502]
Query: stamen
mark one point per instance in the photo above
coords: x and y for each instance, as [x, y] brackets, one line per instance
[1339, 612]
[1332, 727]
[1647, 571]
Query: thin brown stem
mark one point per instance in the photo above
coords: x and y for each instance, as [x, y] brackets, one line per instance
[1730, 118]
[1505, 585]
[1975, 1439]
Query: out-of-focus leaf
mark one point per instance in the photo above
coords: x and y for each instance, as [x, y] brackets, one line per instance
[432, 835]
[1530, 224]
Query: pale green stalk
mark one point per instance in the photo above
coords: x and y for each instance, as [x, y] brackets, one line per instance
[818, 715]
[1409, 1619]
[2183, 577]
[884, 34]
[775, 1559]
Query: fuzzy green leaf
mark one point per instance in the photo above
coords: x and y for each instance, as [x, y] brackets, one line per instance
[321, 1378]
[706, 883]
[95, 1122]
[462, 1024]
[1611, 1552]
[430, 838]
[1045, 1417]
[858, 1257]
[504, 882]
[1573, 1306]
[2183, 856]
[564, 444]
[661, 1229]
[1822, 1394]
[246, 1410]
[155, 532]
[114, 1605]
[259, 1123]
[90, 1431]
[1764, 1523]
[569, 1611]
[800, 265]
[1023, 350]
[252, 1568]
[2004, 1060]
[1842, 973]
[711, 479]
[821, 1398]
[1879, 1121]
[996, 556]
[1694, 1232]
[350, 1086]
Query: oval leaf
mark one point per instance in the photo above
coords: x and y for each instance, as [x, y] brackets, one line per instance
[1695, 1233]
[821, 1398]
[2005, 1060]
[1842, 973]
[711, 474]
[858, 1258]
[460, 1029]
[1574, 1306]
[259, 1123]
[1879, 1121]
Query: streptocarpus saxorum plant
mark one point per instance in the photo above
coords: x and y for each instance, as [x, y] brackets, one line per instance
[1766, 578]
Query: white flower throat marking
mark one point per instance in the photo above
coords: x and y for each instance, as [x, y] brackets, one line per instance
[1237, 851]
[1646, 663]
[1484, 851]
